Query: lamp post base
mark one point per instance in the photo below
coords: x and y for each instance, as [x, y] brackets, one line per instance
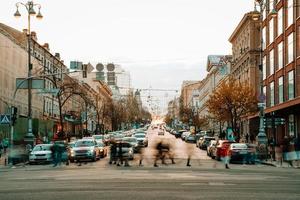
[29, 139]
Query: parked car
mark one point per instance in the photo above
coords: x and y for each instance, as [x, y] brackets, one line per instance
[41, 153]
[252, 153]
[133, 142]
[179, 133]
[127, 150]
[203, 142]
[142, 139]
[98, 138]
[85, 149]
[238, 152]
[184, 134]
[210, 147]
[190, 138]
[221, 148]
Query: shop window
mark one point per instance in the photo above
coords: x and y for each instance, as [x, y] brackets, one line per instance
[291, 125]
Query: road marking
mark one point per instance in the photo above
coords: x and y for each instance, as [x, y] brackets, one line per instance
[219, 183]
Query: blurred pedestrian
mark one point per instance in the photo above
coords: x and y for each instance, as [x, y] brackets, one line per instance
[158, 153]
[297, 149]
[120, 153]
[189, 151]
[57, 154]
[285, 150]
[226, 157]
[113, 152]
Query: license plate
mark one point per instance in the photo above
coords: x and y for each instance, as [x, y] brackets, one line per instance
[243, 152]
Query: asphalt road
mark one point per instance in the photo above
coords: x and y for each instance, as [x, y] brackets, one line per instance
[206, 179]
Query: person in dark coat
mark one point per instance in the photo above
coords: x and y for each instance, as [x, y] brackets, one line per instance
[113, 152]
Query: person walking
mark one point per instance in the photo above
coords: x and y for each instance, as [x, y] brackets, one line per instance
[56, 152]
[297, 149]
[189, 151]
[226, 157]
[120, 153]
[158, 153]
[113, 152]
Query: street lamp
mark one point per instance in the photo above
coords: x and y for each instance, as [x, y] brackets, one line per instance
[30, 12]
[258, 15]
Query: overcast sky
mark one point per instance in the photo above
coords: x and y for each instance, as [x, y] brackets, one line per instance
[161, 42]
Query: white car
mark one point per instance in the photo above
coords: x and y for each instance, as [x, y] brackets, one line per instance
[41, 153]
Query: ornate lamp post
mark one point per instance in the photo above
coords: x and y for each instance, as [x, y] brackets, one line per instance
[258, 15]
[29, 6]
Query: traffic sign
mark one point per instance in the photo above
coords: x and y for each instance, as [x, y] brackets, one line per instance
[4, 119]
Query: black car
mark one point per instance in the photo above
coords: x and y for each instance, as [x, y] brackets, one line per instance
[203, 142]
[179, 133]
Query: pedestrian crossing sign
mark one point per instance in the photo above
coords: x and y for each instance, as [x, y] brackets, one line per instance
[4, 119]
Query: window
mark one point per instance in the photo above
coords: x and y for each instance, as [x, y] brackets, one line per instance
[265, 11]
[291, 85]
[271, 5]
[298, 39]
[291, 125]
[290, 48]
[298, 8]
[280, 55]
[271, 31]
[290, 13]
[279, 22]
[271, 62]
[264, 33]
[272, 94]
[280, 90]
[265, 92]
[264, 68]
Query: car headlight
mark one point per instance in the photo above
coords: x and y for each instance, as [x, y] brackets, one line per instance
[130, 151]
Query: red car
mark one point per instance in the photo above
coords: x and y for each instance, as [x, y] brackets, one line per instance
[221, 149]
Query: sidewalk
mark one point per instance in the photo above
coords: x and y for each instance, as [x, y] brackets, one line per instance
[283, 164]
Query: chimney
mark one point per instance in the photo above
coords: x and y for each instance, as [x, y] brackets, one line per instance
[57, 55]
[33, 35]
[46, 46]
[62, 61]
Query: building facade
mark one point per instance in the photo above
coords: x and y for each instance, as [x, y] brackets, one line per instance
[245, 60]
[281, 67]
[218, 68]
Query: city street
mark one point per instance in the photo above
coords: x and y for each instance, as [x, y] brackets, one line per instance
[206, 179]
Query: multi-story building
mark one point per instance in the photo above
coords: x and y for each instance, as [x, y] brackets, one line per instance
[281, 67]
[218, 68]
[188, 88]
[245, 59]
[123, 80]
[45, 104]
[102, 97]
[14, 64]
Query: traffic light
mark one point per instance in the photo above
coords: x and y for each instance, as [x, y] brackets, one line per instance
[14, 113]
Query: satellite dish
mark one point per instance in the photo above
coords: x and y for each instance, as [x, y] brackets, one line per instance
[100, 67]
[110, 67]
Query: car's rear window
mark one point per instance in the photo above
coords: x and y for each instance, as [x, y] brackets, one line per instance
[84, 143]
[42, 148]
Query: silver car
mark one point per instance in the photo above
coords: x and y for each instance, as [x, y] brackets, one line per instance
[41, 153]
[85, 149]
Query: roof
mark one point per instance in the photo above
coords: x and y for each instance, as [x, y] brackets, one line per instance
[216, 60]
[15, 35]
